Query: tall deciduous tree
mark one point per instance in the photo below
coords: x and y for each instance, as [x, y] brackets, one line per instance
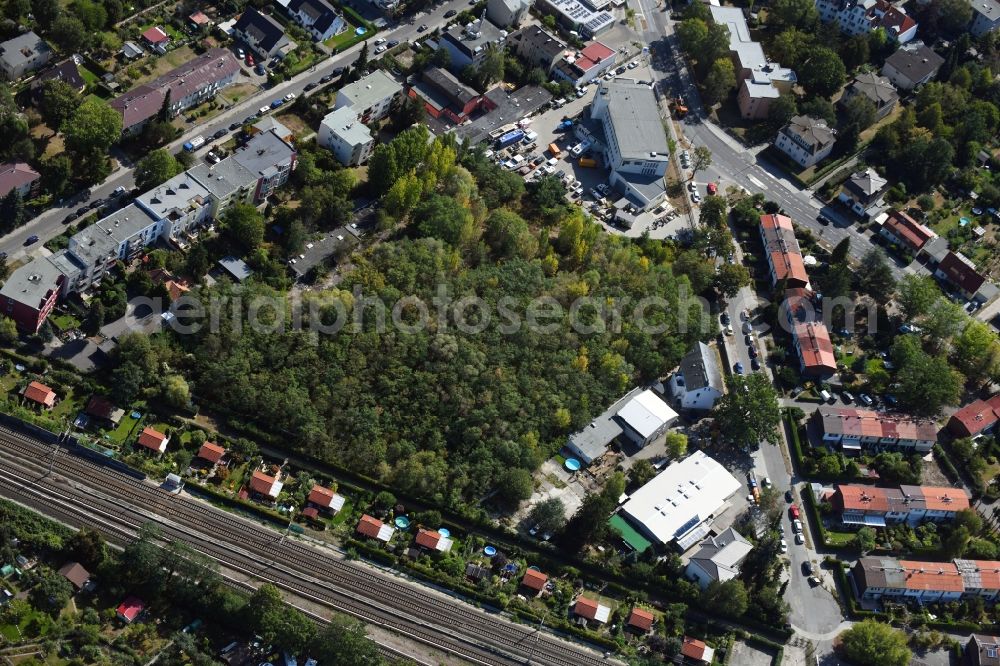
[748, 415]
[916, 294]
[155, 168]
[721, 80]
[93, 128]
[245, 225]
[822, 72]
[874, 643]
[343, 642]
[875, 278]
[57, 102]
[976, 351]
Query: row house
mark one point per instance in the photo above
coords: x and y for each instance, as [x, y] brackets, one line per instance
[784, 258]
[857, 429]
[878, 578]
[878, 507]
[976, 418]
[903, 230]
[814, 349]
[190, 84]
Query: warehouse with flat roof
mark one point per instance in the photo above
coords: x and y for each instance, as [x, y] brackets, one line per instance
[677, 507]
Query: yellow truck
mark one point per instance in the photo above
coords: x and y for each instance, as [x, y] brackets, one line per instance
[554, 150]
[588, 162]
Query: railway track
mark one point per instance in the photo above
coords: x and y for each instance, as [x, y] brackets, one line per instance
[308, 572]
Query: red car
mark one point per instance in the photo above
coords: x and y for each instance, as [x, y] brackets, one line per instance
[794, 511]
[250, 60]
[712, 188]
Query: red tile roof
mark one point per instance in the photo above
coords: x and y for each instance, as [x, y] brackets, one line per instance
[152, 439]
[944, 498]
[534, 580]
[692, 648]
[130, 608]
[641, 619]
[585, 607]
[211, 452]
[321, 496]
[428, 538]
[862, 498]
[909, 232]
[369, 526]
[815, 347]
[40, 393]
[262, 483]
[893, 20]
[101, 407]
[975, 417]
[932, 576]
[199, 18]
[782, 248]
[959, 271]
[155, 35]
[310, 512]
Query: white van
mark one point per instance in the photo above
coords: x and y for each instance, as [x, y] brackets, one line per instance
[825, 395]
[263, 110]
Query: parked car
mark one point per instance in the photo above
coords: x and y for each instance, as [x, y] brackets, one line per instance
[380, 40]
[724, 318]
[814, 581]
[450, 13]
[747, 327]
[695, 197]
[788, 496]
[738, 368]
[748, 340]
[120, 190]
[422, 28]
[289, 97]
[712, 188]
[784, 546]
[310, 86]
[797, 526]
[392, 43]
[800, 538]
[381, 48]
[69, 218]
[866, 400]
[755, 364]
[259, 69]
[807, 568]
[793, 511]
[823, 219]
[221, 133]
[276, 103]
[249, 60]
[692, 186]
[752, 351]
[240, 53]
[31, 239]
[327, 78]
[729, 329]
[234, 126]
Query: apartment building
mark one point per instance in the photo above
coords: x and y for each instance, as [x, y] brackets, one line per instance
[468, 45]
[371, 96]
[860, 17]
[346, 137]
[23, 55]
[814, 349]
[878, 578]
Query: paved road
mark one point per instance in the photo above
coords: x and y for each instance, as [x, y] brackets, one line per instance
[50, 223]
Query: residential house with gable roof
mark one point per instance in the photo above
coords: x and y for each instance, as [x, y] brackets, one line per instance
[718, 558]
[318, 17]
[912, 66]
[211, 453]
[698, 383]
[432, 540]
[152, 439]
[534, 580]
[325, 499]
[877, 89]
[978, 417]
[40, 395]
[806, 140]
[18, 176]
[900, 228]
[265, 485]
[262, 34]
[697, 651]
[373, 528]
[982, 650]
[864, 505]
[589, 610]
[862, 191]
[535, 46]
[960, 273]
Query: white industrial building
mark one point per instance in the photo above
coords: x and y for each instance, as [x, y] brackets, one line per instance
[641, 416]
[678, 505]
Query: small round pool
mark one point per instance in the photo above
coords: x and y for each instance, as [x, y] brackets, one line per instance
[136, 415]
[489, 551]
[572, 464]
[534, 568]
[402, 522]
[360, 31]
[444, 531]
[963, 221]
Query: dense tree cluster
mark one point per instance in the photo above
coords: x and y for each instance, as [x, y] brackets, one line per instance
[439, 411]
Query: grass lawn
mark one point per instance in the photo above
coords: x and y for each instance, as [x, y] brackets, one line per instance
[234, 94]
[344, 40]
[121, 433]
[235, 478]
[164, 64]
[66, 322]
[67, 407]
[839, 538]
[10, 632]
[90, 77]
[343, 513]
[293, 122]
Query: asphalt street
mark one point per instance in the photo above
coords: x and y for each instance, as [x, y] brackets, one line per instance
[813, 609]
[50, 223]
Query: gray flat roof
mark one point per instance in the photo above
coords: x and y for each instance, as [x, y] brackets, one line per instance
[104, 236]
[224, 178]
[510, 107]
[344, 123]
[594, 439]
[475, 36]
[236, 267]
[13, 50]
[262, 153]
[174, 198]
[370, 89]
[30, 283]
[635, 117]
